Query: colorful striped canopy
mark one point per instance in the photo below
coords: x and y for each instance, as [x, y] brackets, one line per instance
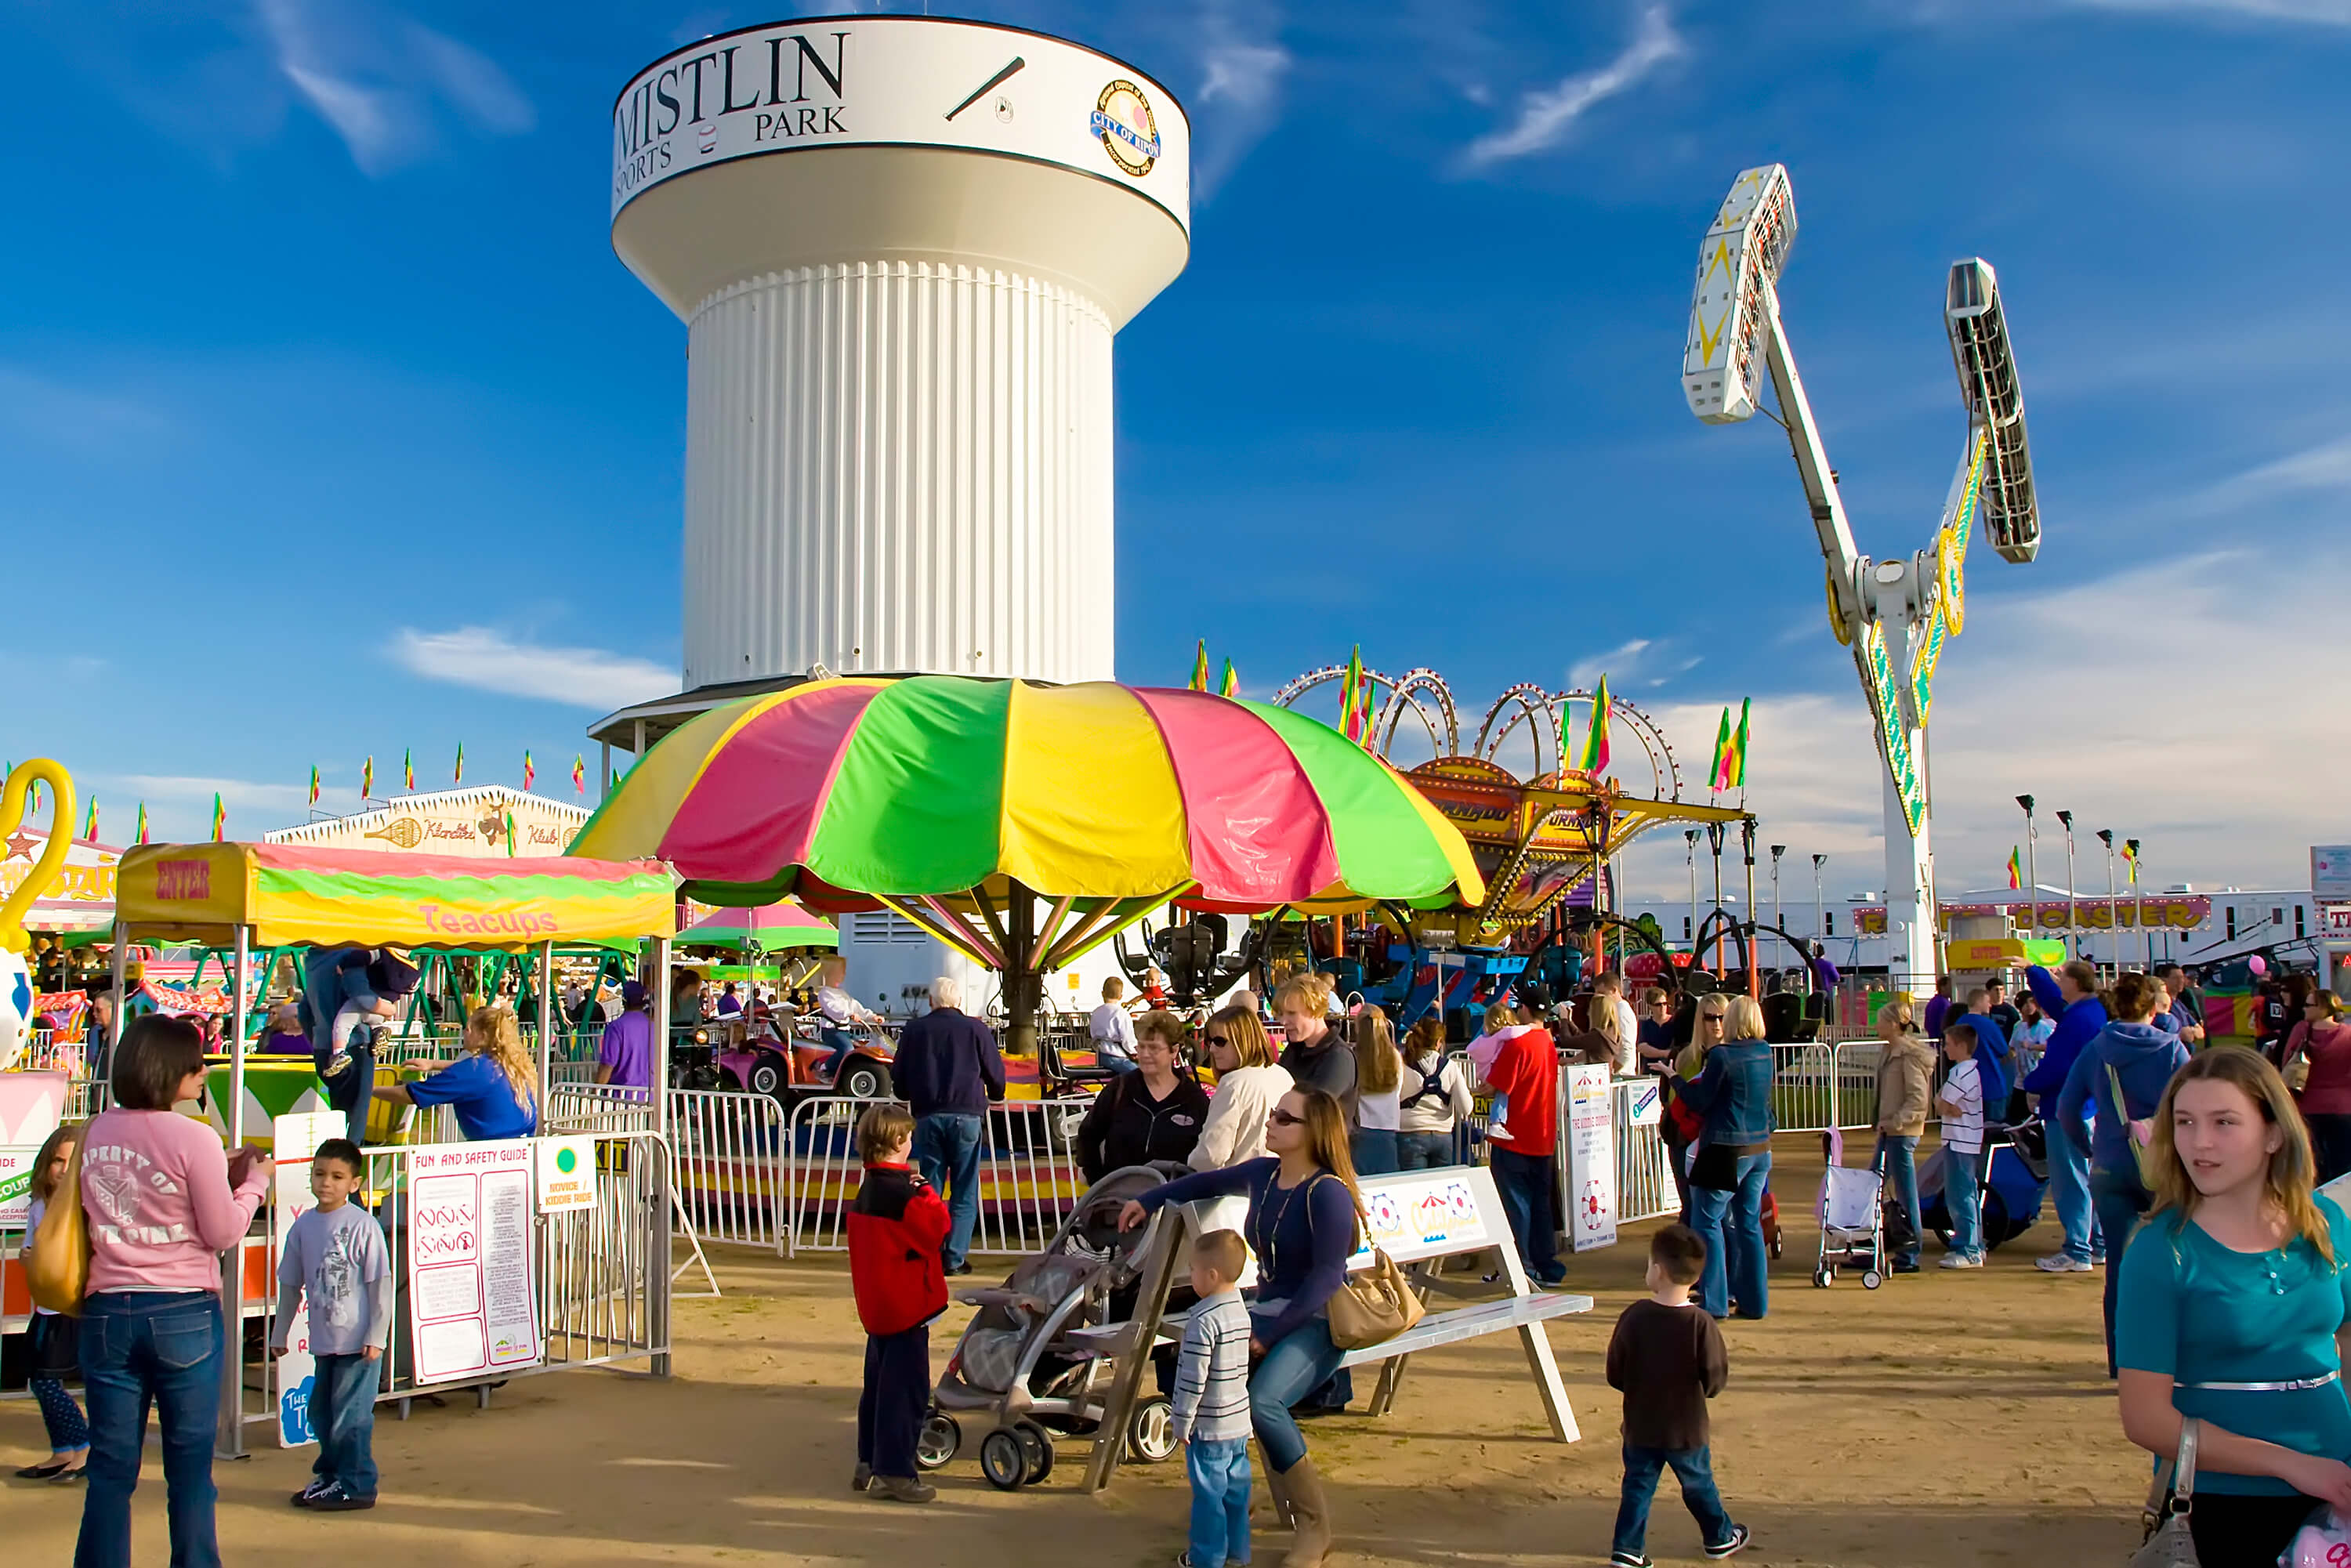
[848, 790]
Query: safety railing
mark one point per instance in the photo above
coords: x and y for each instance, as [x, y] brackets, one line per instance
[1645, 1178]
[1823, 1084]
[727, 1150]
[1029, 1179]
[597, 1108]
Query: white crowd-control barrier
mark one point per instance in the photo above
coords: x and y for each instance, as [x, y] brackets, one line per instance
[729, 1151]
[597, 1108]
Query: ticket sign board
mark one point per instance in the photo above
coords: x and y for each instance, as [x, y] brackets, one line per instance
[470, 1295]
[1590, 1177]
[566, 1173]
[2330, 873]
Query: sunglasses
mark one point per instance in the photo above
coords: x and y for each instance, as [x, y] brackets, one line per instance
[1711, 1018]
[1219, 1040]
[1286, 1119]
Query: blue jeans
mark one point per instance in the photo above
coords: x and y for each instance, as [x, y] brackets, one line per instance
[342, 1413]
[1695, 1469]
[352, 1090]
[1731, 1226]
[1375, 1151]
[1115, 1063]
[1524, 1183]
[947, 1149]
[841, 1042]
[2069, 1191]
[1424, 1151]
[1963, 1200]
[1897, 1156]
[2120, 1203]
[1299, 1363]
[1220, 1501]
[140, 1349]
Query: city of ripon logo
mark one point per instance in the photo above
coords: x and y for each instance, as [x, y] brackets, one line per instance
[1123, 119]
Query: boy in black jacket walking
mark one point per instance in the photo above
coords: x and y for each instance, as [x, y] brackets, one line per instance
[894, 1230]
[1666, 1356]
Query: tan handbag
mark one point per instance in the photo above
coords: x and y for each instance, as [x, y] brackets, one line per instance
[56, 1261]
[1374, 1306]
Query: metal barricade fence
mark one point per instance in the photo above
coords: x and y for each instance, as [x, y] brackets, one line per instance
[1644, 1179]
[1029, 1180]
[597, 1108]
[727, 1149]
[1821, 1084]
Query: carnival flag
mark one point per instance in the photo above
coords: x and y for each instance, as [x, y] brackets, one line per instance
[90, 828]
[220, 820]
[459, 777]
[1717, 776]
[1595, 740]
[143, 821]
[1735, 774]
[1232, 682]
[313, 784]
[408, 771]
[529, 772]
[367, 779]
[2015, 868]
[511, 833]
[1353, 721]
[2130, 859]
[580, 775]
[1200, 666]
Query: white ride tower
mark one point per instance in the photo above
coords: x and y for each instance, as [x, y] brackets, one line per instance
[1895, 614]
[901, 247]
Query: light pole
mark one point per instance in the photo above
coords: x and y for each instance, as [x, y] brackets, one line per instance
[1819, 925]
[2114, 926]
[2139, 908]
[2073, 925]
[1689, 926]
[1777, 851]
[2032, 880]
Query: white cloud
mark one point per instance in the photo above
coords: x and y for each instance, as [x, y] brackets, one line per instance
[376, 78]
[2323, 12]
[1641, 662]
[2173, 702]
[490, 661]
[2326, 466]
[58, 412]
[1243, 67]
[1546, 118]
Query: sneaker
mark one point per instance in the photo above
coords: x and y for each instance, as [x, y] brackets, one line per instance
[1740, 1537]
[862, 1478]
[1630, 1559]
[309, 1494]
[2061, 1263]
[902, 1489]
[1961, 1261]
[337, 1065]
[335, 1500]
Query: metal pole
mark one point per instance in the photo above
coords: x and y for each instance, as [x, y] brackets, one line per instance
[2113, 921]
[1691, 930]
[229, 1440]
[2073, 923]
[604, 774]
[661, 1037]
[1714, 848]
[1777, 851]
[1820, 926]
[545, 1017]
[2139, 908]
[2031, 876]
[1747, 847]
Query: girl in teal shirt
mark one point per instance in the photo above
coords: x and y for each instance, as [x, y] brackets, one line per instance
[2232, 1307]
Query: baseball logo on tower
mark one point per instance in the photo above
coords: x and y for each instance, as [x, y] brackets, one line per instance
[1122, 118]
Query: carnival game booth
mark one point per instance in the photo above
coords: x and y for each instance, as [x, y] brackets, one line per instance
[1022, 825]
[512, 1257]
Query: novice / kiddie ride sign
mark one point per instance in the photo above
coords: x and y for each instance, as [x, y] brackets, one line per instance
[470, 1300]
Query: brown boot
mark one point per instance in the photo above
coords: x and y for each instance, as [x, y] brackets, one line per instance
[1278, 1493]
[1309, 1516]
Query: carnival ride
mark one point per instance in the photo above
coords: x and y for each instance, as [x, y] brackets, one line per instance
[1896, 614]
[16, 979]
[1543, 845]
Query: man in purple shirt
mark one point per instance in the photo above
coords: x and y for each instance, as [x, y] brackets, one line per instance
[625, 1058]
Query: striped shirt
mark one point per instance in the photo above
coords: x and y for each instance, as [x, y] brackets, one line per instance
[1211, 1396]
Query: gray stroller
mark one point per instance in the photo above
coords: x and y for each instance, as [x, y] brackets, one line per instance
[1038, 1357]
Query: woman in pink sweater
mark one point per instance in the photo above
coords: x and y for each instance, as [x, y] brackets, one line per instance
[2324, 1039]
[163, 1200]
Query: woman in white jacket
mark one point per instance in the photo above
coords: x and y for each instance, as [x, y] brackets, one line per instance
[1249, 1082]
[1434, 1097]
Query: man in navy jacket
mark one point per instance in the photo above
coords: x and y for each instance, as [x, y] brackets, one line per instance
[2071, 998]
[947, 1070]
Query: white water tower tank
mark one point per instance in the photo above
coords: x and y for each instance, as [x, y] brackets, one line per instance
[901, 247]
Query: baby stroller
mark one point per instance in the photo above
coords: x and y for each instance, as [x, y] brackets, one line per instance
[1853, 1225]
[1034, 1361]
[2015, 1177]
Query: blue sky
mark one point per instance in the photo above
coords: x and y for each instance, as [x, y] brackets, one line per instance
[332, 426]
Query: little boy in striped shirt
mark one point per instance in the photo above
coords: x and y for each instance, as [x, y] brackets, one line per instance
[1212, 1405]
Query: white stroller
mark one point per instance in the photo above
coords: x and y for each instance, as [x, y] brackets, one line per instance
[1853, 1221]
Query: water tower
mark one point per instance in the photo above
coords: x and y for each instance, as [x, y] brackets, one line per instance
[901, 247]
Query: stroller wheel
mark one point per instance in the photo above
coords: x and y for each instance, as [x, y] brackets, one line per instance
[1151, 1430]
[1871, 1279]
[941, 1437]
[1821, 1277]
[1003, 1459]
[1037, 1450]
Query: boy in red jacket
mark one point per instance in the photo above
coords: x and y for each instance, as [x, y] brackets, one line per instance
[894, 1230]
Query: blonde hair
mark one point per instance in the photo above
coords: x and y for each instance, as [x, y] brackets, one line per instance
[494, 1033]
[1246, 1033]
[1310, 988]
[1605, 1024]
[1222, 1250]
[2286, 1185]
[1498, 1016]
[1378, 1068]
[1113, 988]
[883, 1129]
[1742, 1020]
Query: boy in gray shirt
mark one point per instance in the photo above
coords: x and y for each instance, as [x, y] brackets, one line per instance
[335, 1254]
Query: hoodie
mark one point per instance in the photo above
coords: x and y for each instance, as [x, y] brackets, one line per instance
[2078, 1023]
[2144, 1058]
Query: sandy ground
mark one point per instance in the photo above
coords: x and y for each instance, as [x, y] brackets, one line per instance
[1959, 1419]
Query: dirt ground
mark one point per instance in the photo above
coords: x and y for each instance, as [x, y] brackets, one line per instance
[1946, 1420]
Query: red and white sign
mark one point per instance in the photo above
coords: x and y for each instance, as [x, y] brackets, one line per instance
[470, 1301]
[1591, 1166]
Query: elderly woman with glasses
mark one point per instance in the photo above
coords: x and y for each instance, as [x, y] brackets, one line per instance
[1249, 1083]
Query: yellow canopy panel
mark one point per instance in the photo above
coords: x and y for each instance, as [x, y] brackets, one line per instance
[299, 893]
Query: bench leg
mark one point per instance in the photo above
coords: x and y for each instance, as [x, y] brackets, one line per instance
[1383, 1393]
[1547, 1383]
